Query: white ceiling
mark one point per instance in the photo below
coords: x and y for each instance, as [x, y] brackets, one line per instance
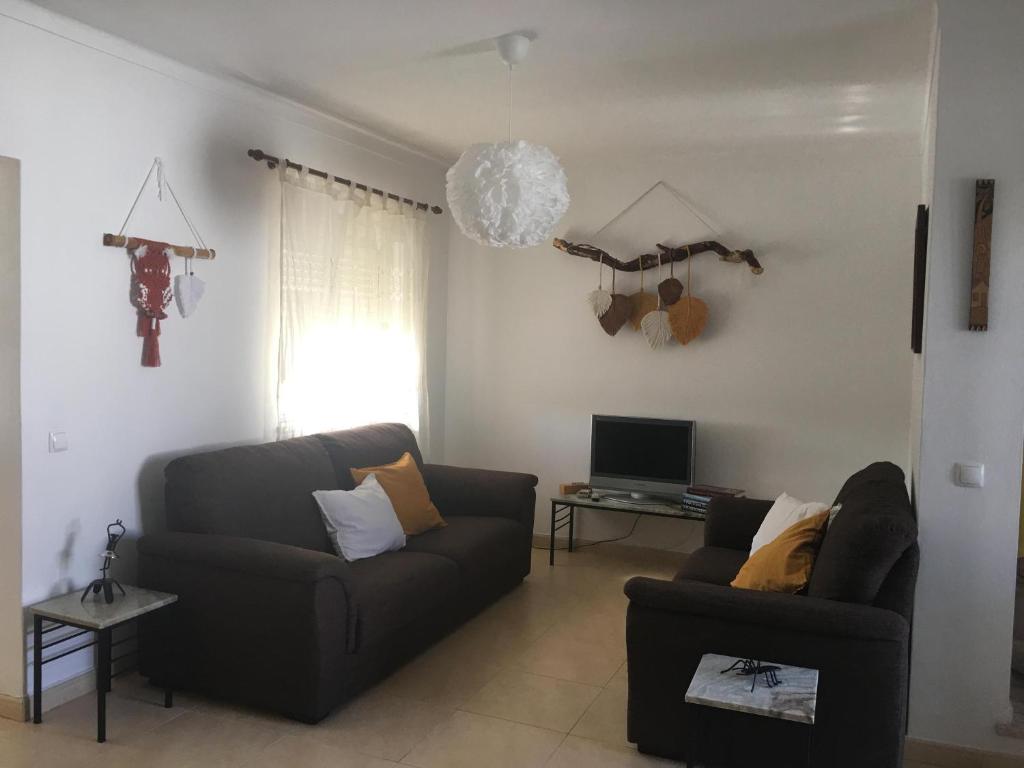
[603, 75]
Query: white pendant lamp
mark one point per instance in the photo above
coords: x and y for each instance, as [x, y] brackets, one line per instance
[510, 194]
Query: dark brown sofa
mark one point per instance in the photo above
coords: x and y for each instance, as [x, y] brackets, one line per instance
[853, 625]
[269, 616]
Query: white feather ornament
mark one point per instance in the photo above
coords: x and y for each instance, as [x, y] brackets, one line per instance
[600, 300]
[656, 328]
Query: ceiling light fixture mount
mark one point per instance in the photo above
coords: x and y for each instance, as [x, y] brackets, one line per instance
[508, 194]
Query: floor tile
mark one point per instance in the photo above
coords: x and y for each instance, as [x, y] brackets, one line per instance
[468, 740]
[128, 719]
[202, 740]
[308, 752]
[576, 752]
[567, 657]
[381, 725]
[534, 700]
[442, 674]
[605, 718]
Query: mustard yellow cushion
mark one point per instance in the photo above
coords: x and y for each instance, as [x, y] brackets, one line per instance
[784, 564]
[404, 485]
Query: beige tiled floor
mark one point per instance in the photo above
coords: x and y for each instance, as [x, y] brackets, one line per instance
[538, 679]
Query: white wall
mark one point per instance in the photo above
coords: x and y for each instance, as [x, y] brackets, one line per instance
[86, 125]
[12, 649]
[973, 399]
[803, 374]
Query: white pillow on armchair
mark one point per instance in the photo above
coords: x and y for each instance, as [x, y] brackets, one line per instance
[785, 512]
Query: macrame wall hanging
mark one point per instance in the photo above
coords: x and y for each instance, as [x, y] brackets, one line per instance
[674, 313]
[151, 271]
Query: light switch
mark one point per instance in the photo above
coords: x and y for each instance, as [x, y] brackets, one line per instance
[58, 442]
[970, 475]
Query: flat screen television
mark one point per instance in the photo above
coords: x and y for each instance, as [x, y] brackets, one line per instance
[646, 458]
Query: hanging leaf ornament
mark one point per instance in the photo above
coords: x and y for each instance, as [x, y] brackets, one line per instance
[669, 289]
[688, 316]
[618, 312]
[600, 300]
[656, 326]
[641, 303]
[188, 291]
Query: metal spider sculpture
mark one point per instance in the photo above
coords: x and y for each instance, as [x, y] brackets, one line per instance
[753, 668]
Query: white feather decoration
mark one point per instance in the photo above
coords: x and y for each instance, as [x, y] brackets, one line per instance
[600, 301]
[656, 328]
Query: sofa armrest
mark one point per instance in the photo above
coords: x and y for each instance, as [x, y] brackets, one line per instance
[464, 491]
[234, 568]
[732, 523]
[769, 610]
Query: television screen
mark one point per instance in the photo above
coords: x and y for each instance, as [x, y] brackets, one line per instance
[658, 450]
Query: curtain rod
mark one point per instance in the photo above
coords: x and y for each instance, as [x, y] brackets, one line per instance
[272, 162]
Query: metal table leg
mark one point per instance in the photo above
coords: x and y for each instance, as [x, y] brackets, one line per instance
[572, 518]
[102, 683]
[37, 670]
[551, 543]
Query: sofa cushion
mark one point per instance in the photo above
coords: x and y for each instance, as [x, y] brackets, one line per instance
[396, 588]
[712, 565]
[256, 491]
[371, 446]
[482, 546]
[404, 485]
[869, 535]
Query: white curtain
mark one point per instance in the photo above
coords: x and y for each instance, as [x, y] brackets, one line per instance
[351, 283]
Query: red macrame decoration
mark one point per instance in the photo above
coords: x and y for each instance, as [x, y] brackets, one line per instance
[151, 293]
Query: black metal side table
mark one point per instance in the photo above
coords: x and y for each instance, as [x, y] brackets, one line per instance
[563, 513]
[89, 615]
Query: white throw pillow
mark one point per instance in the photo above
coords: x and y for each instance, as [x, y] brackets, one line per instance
[362, 522]
[785, 512]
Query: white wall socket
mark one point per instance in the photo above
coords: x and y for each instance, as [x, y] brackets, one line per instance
[970, 475]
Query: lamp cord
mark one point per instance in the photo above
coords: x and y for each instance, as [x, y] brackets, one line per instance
[509, 103]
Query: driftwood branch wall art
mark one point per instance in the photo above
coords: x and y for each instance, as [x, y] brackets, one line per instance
[984, 196]
[666, 255]
[673, 312]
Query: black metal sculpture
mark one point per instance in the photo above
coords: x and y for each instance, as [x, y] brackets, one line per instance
[754, 668]
[114, 533]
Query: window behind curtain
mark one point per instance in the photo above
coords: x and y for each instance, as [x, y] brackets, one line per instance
[351, 301]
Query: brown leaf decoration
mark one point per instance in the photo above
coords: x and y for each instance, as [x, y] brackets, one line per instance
[617, 314]
[670, 289]
[640, 304]
[688, 318]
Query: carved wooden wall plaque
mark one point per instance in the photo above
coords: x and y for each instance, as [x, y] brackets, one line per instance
[984, 192]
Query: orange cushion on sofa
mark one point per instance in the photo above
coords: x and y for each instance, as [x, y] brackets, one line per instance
[784, 564]
[404, 485]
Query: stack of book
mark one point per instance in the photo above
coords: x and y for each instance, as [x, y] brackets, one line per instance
[697, 497]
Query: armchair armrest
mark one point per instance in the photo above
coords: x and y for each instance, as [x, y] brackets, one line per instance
[860, 651]
[732, 523]
[465, 491]
[769, 610]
